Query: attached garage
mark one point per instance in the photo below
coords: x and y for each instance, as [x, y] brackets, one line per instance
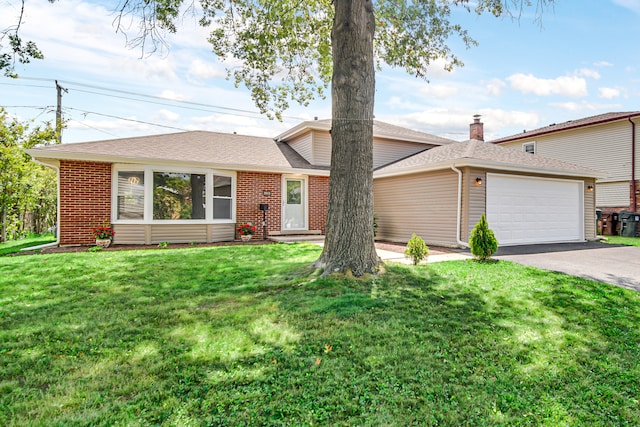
[526, 210]
[528, 199]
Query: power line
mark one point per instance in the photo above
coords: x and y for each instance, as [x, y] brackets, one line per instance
[126, 119]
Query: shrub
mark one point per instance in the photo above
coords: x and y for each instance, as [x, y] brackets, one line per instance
[416, 250]
[483, 242]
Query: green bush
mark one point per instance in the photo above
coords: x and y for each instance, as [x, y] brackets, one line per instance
[483, 242]
[416, 250]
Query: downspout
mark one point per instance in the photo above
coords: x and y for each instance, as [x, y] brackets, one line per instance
[459, 210]
[634, 206]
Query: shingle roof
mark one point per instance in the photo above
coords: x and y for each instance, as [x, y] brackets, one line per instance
[380, 130]
[571, 124]
[483, 154]
[198, 147]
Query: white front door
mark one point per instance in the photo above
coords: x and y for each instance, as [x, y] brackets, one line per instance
[294, 201]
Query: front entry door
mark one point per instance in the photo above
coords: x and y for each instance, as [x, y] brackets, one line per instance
[294, 196]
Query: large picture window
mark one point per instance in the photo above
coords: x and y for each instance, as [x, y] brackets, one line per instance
[178, 196]
[130, 204]
[161, 194]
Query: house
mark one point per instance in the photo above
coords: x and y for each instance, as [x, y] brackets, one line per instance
[609, 142]
[196, 186]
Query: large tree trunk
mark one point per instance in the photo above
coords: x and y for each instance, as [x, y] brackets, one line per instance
[349, 244]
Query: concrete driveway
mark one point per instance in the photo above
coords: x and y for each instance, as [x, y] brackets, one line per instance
[614, 264]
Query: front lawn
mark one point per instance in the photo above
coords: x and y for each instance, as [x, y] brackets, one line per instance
[14, 246]
[243, 336]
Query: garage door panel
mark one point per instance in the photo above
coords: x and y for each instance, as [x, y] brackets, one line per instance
[525, 210]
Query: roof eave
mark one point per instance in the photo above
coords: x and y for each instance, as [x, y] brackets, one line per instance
[49, 156]
[549, 131]
[511, 167]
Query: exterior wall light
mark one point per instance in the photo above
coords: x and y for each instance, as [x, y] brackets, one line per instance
[478, 181]
[589, 188]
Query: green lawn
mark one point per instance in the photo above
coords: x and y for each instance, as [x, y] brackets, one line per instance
[243, 336]
[620, 240]
[14, 246]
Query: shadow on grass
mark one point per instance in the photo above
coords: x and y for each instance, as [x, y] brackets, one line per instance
[240, 336]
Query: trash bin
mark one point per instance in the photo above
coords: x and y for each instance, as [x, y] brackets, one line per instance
[629, 224]
[610, 223]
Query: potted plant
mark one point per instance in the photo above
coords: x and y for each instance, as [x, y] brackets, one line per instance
[103, 235]
[245, 231]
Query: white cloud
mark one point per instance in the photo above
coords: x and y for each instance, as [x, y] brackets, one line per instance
[169, 94]
[439, 91]
[201, 70]
[494, 87]
[602, 64]
[564, 85]
[585, 72]
[167, 116]
[583, 106]
[633, 5]
[608, 92]
[454, 124]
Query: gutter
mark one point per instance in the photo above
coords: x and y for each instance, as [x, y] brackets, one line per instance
[459, 212]
[634, 206]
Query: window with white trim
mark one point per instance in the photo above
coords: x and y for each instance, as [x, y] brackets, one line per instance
[529, 147]
[130, 195]
[159, 195]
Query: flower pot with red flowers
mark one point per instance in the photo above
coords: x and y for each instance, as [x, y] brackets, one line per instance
[246, 230]
[103, 235]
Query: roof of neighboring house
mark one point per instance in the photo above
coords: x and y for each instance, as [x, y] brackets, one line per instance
[571, 124]
[483, 154]
[210, 149]
[380, 130]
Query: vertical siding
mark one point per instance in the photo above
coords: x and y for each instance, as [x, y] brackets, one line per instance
[321, 148]
[423, 203]
[303, 145]
[474, 200]
[386, 151]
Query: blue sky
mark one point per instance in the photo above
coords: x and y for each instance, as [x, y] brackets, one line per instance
[581, 60]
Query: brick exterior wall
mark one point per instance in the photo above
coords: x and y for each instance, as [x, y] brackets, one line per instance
[318, 202]
[251, 186]
[85, 200]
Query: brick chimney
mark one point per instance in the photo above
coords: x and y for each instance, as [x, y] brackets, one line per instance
[476, 129]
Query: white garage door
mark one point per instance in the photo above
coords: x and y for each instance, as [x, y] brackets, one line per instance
[526, 210]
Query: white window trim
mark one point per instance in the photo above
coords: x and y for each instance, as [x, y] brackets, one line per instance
[148, 193]
[530, 143]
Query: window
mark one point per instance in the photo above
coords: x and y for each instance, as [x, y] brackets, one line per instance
[222, 197]
[165, 194]
[529, 147]
[130, 204]
[178, 196]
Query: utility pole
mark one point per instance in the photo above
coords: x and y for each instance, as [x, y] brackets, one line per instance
[59, 90]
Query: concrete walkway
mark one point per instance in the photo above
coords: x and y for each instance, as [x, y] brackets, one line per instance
[396, 255]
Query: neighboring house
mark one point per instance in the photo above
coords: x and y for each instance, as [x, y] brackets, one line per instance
[607, 142]
[196, 186]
